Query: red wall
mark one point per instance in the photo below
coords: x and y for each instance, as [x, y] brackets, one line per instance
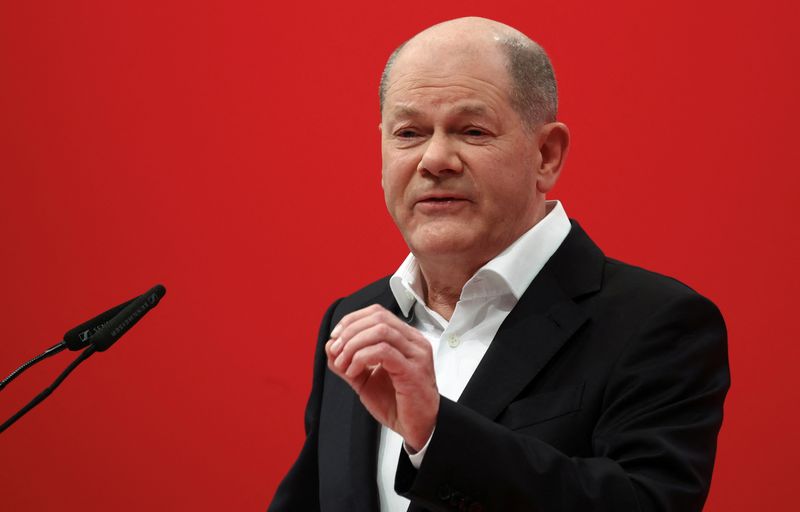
[230, 150]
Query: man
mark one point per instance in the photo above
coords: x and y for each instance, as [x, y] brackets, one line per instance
[508, 364]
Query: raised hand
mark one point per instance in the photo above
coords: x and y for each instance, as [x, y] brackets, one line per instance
[389, 364]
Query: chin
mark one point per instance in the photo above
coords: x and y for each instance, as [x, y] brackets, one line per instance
[441, 242]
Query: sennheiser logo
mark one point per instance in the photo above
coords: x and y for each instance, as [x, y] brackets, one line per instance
[88, 333]
[150, 302]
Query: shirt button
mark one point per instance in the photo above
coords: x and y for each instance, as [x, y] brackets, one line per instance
[453, 341]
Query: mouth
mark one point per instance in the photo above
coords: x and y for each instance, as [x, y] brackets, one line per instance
[441, 198]
[440, 203]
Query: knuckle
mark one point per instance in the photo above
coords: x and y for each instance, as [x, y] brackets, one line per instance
[358, 358]
[383, 330]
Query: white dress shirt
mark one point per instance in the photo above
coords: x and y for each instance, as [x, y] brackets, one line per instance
[460, 344]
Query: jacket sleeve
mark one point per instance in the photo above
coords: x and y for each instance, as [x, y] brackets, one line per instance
[653, 444]
[299, 489]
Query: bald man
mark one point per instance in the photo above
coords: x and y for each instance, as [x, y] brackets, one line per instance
[507, 365]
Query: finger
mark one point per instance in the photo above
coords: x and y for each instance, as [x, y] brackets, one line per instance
[375, 334]
[329, 352]
[348, 320]
[366, 359]
[355, 381]
[352, 317]
[373, 317]
[331, 358]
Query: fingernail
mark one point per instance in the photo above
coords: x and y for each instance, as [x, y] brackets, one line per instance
[336, 331]
[338, 362]
[336, 344]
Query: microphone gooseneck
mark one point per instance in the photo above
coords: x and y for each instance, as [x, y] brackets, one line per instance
[55, 349]
[52, 387]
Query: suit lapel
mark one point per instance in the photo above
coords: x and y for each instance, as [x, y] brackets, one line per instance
[364, 437]
[364, 454]
[543, 320]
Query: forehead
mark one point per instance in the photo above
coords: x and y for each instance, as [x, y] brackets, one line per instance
[470, 79]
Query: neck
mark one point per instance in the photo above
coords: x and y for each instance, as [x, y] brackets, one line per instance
[442, 285]
[444, 276]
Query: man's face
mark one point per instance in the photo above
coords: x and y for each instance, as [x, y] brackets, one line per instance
[459, 164]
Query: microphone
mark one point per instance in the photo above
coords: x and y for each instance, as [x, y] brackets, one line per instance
[99, 333]
[74, 339]
[129, 314]
[78, 337]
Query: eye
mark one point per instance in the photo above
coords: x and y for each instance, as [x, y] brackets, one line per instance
[406, 133]
[475, 132]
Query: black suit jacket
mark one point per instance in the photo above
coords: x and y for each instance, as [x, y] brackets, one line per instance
[602, 391]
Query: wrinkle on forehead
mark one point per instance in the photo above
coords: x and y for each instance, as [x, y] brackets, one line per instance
[419, 78]
[465, 108]
[475, 93]
[448, 62]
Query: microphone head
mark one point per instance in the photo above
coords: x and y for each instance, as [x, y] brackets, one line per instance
[127, 318]
[79, 337]
[158, 290]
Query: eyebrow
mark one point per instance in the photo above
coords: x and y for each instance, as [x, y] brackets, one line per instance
[473, 109]
[405, 111]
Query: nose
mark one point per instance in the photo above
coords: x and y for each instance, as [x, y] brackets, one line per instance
[440, 157]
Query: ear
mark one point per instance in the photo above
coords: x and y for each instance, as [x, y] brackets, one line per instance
[553, 140]
[380, 131]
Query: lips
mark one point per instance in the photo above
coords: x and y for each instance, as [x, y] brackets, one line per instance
[442, 197]
[440, 203]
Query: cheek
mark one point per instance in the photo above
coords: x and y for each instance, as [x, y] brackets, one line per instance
[396, 174]
[388, 182]
[509, 191]
[393, 189]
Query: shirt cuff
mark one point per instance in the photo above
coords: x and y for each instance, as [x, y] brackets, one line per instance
[416, 458]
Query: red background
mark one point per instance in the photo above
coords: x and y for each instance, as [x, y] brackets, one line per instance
[230, 151]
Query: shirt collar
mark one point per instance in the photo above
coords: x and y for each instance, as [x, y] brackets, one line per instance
[511, 271]
[406, 284]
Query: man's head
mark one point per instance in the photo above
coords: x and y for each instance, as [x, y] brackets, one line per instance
[468, 151]
[533, 84]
